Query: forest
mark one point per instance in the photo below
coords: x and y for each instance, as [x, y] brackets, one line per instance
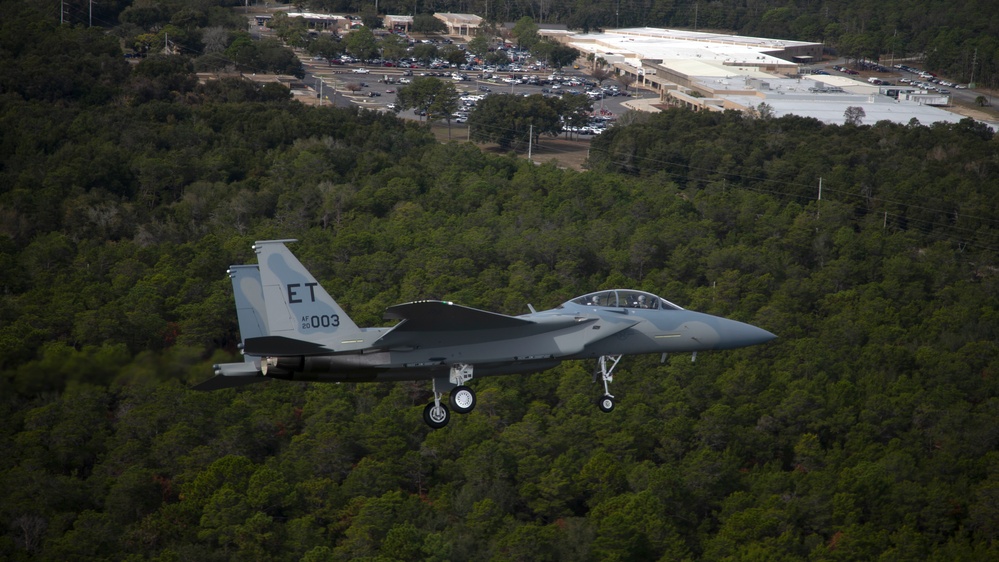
[867, 431]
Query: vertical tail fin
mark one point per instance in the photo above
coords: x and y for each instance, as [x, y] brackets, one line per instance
[296, 304]
[249, 295]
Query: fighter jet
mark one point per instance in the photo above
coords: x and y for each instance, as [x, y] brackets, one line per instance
[292, 329]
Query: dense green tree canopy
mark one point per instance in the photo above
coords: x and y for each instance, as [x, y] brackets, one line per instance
[427, 23]
[509, 120]
[361, 43]
[436, 98]
[525, 31]
[554, 54]
[866, 431]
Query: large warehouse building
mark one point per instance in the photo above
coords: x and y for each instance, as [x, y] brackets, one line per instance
[715, 72]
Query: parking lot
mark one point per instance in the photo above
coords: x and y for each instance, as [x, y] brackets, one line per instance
[374, 87]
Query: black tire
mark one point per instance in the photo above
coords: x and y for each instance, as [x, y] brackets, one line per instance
[606, 404]
[462, 399]
[436, 419]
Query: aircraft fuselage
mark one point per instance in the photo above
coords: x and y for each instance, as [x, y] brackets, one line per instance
[293, 329]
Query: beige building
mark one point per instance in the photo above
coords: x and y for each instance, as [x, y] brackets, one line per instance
[398, 23]
[318, 22]
[461, 25]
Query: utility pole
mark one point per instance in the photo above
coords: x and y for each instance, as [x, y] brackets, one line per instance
[530, 141]
[891, 58]
[974, 62]
[819, 199]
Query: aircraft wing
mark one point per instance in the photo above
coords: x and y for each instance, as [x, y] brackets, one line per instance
[427, 323]
[440, 316]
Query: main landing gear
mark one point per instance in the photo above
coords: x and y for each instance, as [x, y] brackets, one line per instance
[605, 369]
[462, 398]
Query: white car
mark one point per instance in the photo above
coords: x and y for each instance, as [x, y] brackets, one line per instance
[361, 71]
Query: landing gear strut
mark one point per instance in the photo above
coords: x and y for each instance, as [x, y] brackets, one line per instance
[462, 398]
[605, 368]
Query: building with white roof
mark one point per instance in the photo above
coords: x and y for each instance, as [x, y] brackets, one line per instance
[637, 44]
[808, 96]
[716, 72]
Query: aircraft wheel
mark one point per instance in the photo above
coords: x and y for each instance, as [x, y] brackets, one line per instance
[605, 403]
[462, 399]
[436, 416]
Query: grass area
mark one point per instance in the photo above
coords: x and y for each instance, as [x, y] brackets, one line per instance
[567, 153]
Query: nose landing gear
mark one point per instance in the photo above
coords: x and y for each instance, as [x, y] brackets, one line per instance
[605, 369]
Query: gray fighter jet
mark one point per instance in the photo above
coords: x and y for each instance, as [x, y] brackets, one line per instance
[292, 329]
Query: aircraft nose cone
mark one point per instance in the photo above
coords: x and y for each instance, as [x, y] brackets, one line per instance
[733, 334]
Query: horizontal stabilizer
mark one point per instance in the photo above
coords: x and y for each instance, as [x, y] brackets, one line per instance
[440, 316]
[280, 346]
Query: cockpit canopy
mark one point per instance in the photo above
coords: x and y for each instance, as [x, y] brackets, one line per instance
[618, 298]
